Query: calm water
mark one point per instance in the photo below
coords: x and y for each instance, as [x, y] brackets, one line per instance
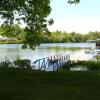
[14, 51]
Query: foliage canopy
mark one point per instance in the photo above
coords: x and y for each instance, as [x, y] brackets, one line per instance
[33, 13]
[73, 1]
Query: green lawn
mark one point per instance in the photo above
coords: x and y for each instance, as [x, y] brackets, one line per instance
[18, 84]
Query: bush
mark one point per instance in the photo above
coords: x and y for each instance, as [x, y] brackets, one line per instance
[93, 65]
[90, 65]
[24, 63]
[5, 63]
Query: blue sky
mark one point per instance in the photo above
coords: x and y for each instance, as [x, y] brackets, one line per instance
[83, 17]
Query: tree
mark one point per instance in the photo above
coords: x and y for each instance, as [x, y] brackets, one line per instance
[11, 30]
[73, 1]
[33, 12]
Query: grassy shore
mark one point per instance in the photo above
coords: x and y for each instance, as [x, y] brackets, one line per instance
[66, 48]
[21, 84]
[11, 42]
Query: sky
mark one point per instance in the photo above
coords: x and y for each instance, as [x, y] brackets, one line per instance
[82, 18]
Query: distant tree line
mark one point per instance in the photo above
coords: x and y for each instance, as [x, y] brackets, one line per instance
[12, 31]
[53, 37]
[63, 37]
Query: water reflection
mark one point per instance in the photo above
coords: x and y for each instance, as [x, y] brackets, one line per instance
[44, 50]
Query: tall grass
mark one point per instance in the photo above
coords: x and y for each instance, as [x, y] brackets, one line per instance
[90, 65]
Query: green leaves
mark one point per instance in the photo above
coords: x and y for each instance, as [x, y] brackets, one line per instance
[73, 1]
[12, 31]
[32, 12]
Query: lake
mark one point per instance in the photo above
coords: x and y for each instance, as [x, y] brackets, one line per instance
[76, 51]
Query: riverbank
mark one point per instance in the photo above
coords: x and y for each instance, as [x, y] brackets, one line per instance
[21, 84]
[81, 66]
[11, 42]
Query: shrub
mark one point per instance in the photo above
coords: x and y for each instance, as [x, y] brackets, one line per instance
[5, 63]
[93, 65]
[90, 65]
[24, 63]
